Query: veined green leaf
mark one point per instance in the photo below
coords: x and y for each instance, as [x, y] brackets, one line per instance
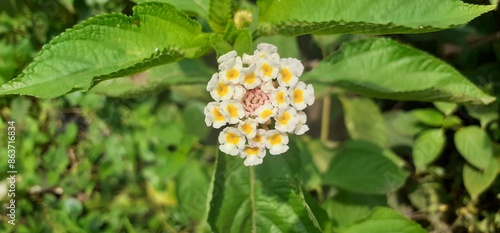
[266, 198]
[364, 167]
[219, 13]
[383, 220]
[345, 208]
[364, 120]
[427, 148]
[155, 79]
[199, 7]
[474, 145]
[384, 68]
[298, 17]
[107, 46]
[476, 181]
[429, 116]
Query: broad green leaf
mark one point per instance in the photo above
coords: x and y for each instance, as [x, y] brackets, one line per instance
[452, 122]
[192, 186]
[266, 198]
[219, 14]
[429, 116]
[345, 208]
[199, 7]
[445, 108]
[155, 79]
[220, 45]
[427, 147]
[243, 42]
[364, 120]
[485, 114]
[474, 145]
[107, 46]
[476, 181]
[383, 220]
[297, 17]
[384, 68]
[363, 167]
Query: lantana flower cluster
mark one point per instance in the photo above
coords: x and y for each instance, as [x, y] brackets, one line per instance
[260, 99]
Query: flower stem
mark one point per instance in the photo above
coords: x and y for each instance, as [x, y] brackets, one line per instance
[252, 200]
[325, 117]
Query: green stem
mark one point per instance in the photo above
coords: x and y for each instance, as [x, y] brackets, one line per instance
[325, 117]
[252, 200]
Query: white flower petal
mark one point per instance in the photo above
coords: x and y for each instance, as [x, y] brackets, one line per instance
[301, 95]
[276, 142]
[214, 115]
[248, 127]
[264, 113]
[234, 111]
[287, 120]
[226, 57]
[231, 141]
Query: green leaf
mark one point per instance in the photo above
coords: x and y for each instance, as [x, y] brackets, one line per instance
[429, 116]
[243, 42]
[485, 114]
[476, 181]
[192, 186]
[108, 46]
[383, 220]
[363, 167]
[452, 122]
[345, 208]
[199, 7]
[267, 198]
[474, 145]
[155, 79]
[219, 14]
[427, 147]
[297, 17]
[383, 68]
[446, 108]
[364, 120]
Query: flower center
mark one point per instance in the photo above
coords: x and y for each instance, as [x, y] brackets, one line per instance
[253, 99]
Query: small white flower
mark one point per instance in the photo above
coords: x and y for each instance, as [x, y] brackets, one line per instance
[234, 110]
[214, 115]
[226, 57]
[230, 71]
[249, 79]
[279, 97]
[267, 48]
[258, 139]
[268, 67]
[253, 155]
[248, 59]
[267, 87]
[290, 71]
[248, 127]
[231, 141]
[301, 95]
[276, 142]
[264, 113]
[286, 120]
[239, 92]
[220, 90]
[214, 81]
[301, 126]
